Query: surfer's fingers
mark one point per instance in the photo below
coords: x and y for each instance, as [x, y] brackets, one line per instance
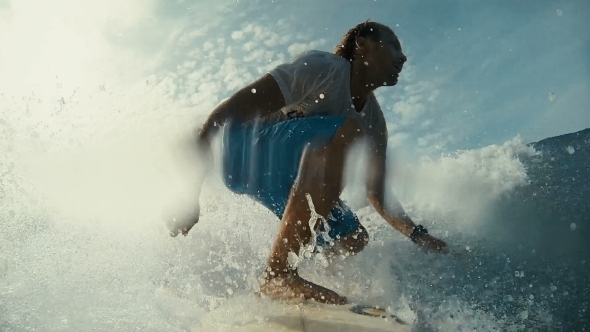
[432, 243]
[440, 245]
[182, 229]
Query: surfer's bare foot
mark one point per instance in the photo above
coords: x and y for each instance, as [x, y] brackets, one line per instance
[290, 286]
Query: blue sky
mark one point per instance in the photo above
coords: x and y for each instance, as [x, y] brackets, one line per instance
[479, 72]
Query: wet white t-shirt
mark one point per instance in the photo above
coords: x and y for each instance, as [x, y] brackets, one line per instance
[318, 83]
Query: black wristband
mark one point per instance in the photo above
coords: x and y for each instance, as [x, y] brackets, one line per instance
[417, 231]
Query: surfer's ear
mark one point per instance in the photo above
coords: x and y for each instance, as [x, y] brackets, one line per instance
[360, 46]
[361, 42]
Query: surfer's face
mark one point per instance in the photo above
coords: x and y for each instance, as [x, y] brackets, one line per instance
[386, 57]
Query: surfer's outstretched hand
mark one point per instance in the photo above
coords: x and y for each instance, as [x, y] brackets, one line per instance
[429, 241]
[183, 224]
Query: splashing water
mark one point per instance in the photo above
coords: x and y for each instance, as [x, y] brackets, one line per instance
[91, 154]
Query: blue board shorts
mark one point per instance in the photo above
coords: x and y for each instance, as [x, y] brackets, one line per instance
[262, 161]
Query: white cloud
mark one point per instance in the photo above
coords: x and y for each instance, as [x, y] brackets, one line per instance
[427, 123]
[260, 33]
[258, 55]
[436, 140]
[273, 39]
[410, 109]
[249, 46]
[237, 35]
[397, 139]
[248, 28]
[432, 95]
[187, 38]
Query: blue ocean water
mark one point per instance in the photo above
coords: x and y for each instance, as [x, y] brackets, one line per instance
[528, 265]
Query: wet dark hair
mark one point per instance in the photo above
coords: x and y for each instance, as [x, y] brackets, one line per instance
[367, 29]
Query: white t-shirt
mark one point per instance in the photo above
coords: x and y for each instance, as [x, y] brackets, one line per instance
[318, 83]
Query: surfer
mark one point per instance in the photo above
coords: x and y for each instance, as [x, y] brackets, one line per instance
[284, 142]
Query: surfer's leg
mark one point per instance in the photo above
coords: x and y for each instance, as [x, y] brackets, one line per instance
[320, 177]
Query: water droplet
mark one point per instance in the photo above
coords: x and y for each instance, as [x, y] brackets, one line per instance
[321, 96]
[551, 96]
[573, 226]
[253, 90]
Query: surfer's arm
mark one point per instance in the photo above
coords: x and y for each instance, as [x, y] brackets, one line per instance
[392, 211]
[257, 100]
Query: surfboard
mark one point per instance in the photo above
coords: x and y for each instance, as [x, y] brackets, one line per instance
[250, 313]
